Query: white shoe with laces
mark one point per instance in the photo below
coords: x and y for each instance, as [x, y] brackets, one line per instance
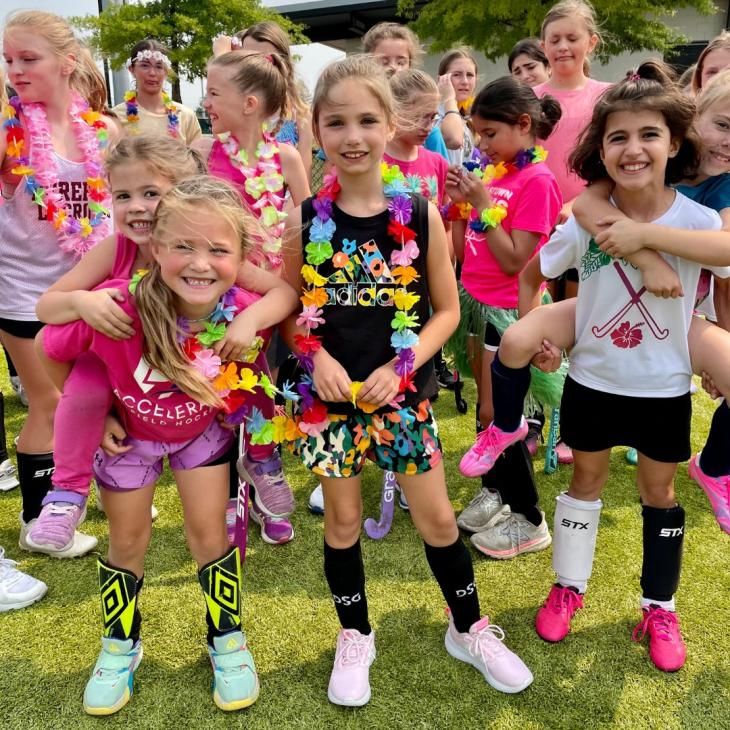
[8, 478]
[350, 679]
[483, 647]
[17, 590]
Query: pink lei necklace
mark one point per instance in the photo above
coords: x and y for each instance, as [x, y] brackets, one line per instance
[265, 185]
[39, 170]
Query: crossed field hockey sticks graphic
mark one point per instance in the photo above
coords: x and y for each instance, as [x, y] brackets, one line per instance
[635, 300]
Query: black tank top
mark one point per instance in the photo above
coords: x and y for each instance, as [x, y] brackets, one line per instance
[360, 307]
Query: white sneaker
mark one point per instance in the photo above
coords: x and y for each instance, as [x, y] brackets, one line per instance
[483, 647]
[81, 544]
[510, 535]
[154, 512]
[350, 679]
[481, 512]
[17, 386]
[316, 501]
[8, 480]
[17, 590]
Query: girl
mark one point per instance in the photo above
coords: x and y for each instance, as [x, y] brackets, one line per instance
[141, 170]
[528, 63]
[56, 208]
[370, 259]
[244, 90]
[514, 209]
[714, 58]
[459, 68]
[630, 363]
[268, 37]
[169, 387]
[397, 48]
[149, 109]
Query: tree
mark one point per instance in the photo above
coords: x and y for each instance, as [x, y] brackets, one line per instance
[494, 26]
[186, 27]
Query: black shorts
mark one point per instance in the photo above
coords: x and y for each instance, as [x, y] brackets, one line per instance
[16, 328]
[492, 338]
[591, 420]
[278, 351]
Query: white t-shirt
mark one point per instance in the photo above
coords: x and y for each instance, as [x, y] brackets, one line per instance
[628, 341]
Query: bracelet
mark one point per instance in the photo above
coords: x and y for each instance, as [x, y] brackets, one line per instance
[489, 218]
[451, 111]
[455, 211]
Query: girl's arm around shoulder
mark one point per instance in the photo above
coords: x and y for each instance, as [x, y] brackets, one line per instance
[294, 174]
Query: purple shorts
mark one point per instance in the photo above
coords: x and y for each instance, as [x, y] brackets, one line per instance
[143, 463]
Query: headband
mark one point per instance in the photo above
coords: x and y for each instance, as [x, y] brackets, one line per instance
[148, 55]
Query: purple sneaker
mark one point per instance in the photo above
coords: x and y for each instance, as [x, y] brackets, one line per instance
[274, 530]
[273, 495]
[63, 511]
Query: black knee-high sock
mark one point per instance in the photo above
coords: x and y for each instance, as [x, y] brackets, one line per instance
[509, 388]
[3, 442]
[514, 478]
[454, 572]
[345, 573]
[34, 475]
[663, 540]
[715, 459]
[233, 476]
[12, 372]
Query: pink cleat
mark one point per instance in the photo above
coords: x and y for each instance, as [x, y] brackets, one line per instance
[666, 645]
[717, 490]
[350, 678]
[552, 621]
[490, 444]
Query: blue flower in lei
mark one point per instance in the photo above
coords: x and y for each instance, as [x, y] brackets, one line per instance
[322, 230]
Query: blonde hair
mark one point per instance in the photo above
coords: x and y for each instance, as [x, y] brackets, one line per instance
[86, 78]
[408, 87]
[166, 156]
[393, 32]
[365, 70]
[716, 92]
[3, 90]
[264, 75]
[192, 199]
[721, 42]
[269, 32]
[574, 10]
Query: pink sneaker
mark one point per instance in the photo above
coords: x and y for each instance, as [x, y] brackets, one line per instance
[274, 530]
[350, 678]
[487, 448]
[483, 647]
[552, 621]
[717, 490]
[564, 452]
[666, 645]
[62, 513]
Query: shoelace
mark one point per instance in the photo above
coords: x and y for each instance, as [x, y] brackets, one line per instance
[353, 651]
[112, 665]
[662, 622]
[485, 439]
[487, 642]
[564, 598]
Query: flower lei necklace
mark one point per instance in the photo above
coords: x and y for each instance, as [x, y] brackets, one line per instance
[173, 120]
[318, 250]
[265, 185]
[39, 171]
[483, 168]
[238, 386]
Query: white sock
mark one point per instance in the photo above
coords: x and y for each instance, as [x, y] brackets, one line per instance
[580, 585]
[666, 605]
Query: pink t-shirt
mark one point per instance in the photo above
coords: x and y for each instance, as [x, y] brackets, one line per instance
[577, 107]
[150, 406]
[124, 258]
[533, 203]
[425, 175]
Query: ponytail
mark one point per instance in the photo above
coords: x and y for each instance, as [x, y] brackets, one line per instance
[550, 113]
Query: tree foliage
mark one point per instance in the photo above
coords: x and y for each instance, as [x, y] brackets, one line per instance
[186, 27]
[494, 26]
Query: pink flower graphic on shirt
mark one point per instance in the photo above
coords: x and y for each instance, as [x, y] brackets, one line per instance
[627, 336]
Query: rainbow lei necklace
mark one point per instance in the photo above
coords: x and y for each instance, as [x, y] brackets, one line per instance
[38, 169]
[314, 297]
[265, 185]
[173, 120]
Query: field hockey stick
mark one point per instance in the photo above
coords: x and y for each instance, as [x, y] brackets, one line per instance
[656, 330]
[241, 533]
[551, 456]
[378, 530]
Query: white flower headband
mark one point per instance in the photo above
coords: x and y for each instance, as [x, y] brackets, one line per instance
[148, 55]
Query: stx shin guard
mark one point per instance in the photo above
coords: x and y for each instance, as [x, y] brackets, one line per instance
[663, 540]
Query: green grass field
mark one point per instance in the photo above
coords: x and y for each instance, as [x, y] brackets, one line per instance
[596, 678]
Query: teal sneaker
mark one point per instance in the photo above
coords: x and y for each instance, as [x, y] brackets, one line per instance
[111, 682]
[632, 456]
[235, 682]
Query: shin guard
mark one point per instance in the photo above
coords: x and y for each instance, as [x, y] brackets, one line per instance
[119, 591]
[221, 583]
[574, 540]
[663, 540]
[34, 474]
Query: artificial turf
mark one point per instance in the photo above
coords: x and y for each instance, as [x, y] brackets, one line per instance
[596, 678]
